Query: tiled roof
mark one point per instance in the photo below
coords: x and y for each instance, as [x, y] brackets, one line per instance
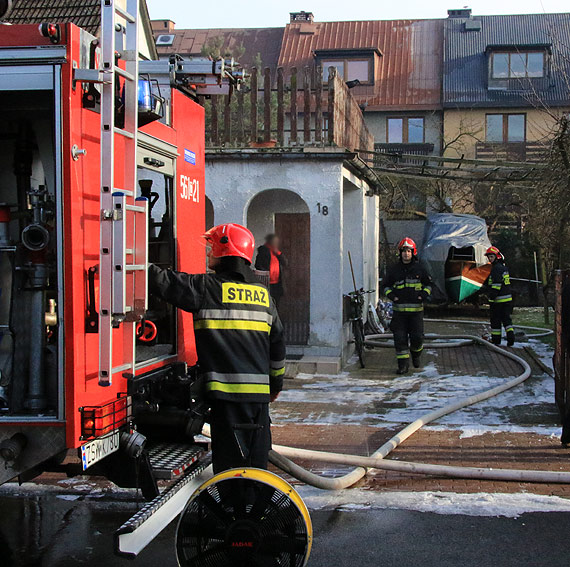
[409, 70]
[466, 62]
[84, 13]
[265, 41]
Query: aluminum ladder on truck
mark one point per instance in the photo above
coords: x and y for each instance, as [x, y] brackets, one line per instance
[123, 254]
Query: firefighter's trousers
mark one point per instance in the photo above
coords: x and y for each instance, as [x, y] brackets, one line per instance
[408, 329]
[241, 435]
[501, 315]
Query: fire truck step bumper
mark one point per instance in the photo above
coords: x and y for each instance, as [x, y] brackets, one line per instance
[135, 534]
[170, 460]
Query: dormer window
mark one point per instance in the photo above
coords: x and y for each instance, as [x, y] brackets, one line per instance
[517, 64]
[349, 69]
[516, 67]
[351, 64]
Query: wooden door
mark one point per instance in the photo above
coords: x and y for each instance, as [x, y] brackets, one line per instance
[294, 230]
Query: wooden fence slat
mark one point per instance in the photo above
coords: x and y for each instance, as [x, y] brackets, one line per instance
[240, 121]
[214, 120]
[318, 104]
[293, 139]
[267, 105]
[253, 113]
[227, 121]
[307, 105]
[280, 108]
[331, 105]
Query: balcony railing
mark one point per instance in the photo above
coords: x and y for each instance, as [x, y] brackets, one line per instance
[301, 111]
[512, 151]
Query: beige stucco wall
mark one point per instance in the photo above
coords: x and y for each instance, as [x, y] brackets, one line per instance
[463, 128]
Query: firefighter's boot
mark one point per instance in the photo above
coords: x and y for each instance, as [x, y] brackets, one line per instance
[510, 337]
[496, 337]
[417, 359]
[403, 365]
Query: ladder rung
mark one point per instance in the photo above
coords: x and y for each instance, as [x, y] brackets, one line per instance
[121, 368]
[130, 18]
[135, 267]
[124, 133]
[126, 75]
[135, 209]
[125, 192]
[129, 251]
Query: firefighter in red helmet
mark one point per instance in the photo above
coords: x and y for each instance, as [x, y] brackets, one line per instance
[239, 340]
[407, 285]
[500, 298]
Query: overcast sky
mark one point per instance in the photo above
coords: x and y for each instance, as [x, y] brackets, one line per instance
[275, 13]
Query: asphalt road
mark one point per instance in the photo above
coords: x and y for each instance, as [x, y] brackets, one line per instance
[51, 531]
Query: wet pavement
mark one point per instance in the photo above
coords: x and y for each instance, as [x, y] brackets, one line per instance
[50, 531]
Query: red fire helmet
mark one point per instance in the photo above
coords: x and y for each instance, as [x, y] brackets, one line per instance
[231, 240]
[408, 243]
[494, 250]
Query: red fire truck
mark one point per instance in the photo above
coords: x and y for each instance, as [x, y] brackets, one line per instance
[102, 173]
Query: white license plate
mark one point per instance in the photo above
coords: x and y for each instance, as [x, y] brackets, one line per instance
[99, 449]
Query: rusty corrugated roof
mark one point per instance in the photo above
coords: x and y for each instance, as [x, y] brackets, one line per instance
[408, 73]
[83, 13]
[265, 41]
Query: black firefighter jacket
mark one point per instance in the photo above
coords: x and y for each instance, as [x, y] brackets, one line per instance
[410, 284]
[239, 336]
[499, 282]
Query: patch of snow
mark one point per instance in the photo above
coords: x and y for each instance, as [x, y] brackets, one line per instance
[68, 496]
[468, 431]
[377, 402]
[446, 503]
[544, 352]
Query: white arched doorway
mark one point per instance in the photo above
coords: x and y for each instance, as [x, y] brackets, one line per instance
[286, 214]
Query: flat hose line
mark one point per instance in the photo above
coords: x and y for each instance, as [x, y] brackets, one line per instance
[279, 456]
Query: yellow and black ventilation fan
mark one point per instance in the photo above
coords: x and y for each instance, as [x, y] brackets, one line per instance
[244, 518]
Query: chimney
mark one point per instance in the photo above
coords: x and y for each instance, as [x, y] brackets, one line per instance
[460, 13]
[162, 26]
[306, 17]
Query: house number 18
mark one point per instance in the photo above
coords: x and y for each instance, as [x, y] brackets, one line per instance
[323, 209]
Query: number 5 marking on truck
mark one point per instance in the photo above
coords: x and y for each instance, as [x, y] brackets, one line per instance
[189, 189]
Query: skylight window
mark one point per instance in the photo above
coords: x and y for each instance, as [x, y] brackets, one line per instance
[165, 39]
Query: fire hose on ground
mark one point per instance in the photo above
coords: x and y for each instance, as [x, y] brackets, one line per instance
[281, 455]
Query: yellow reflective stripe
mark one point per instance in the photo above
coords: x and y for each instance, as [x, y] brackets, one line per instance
[427, 289]
[502, 299]
[237, 388]
[401, 308]
[496, 286]
[403, 355]
[232, 324]
[276, 372]
[493, 332]
[417, 285]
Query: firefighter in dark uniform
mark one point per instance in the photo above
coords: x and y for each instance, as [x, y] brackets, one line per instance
[407, 285]
[240, 344]
[500, 297]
